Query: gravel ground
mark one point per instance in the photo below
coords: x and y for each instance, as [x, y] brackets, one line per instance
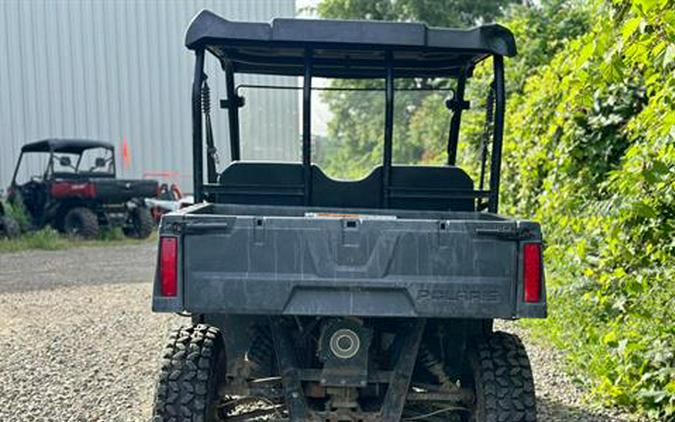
[78, 341]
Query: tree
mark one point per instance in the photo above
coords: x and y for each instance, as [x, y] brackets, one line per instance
[356, 129]
[448, 13]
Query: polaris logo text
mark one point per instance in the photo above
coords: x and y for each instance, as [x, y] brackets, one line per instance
[450, 296]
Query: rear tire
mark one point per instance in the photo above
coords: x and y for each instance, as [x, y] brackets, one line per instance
[81, 222]
[193, 367]
[9, 228]
[502, 378]
[142, 223]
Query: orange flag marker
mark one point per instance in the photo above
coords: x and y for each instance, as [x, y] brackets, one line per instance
[126, 154]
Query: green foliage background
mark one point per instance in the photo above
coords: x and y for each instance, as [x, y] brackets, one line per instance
[590, 153]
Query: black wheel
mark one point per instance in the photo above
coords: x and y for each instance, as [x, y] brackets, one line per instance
[193, 366]
[9, 227]
[140, 223]
[81, 222]
[502, 379]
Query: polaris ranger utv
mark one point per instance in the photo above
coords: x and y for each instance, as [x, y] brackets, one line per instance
[316, 299]
[73, 187]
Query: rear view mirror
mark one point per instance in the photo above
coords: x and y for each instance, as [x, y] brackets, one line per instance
[100, 162]
[64, 161]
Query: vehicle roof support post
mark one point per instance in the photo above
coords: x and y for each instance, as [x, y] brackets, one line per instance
[458, 105]
[16, 168]
[233, 105]
[114, 164]
[50, 166]
[197, 150]
[497, 137]
[79, 160]
[307, 127]
[388, 128]
[211, 150]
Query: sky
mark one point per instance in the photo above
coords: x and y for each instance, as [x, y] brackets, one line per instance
[320, 113]
[302, 4]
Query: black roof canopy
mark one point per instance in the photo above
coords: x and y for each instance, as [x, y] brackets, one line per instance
[348, 49]
[72, 146]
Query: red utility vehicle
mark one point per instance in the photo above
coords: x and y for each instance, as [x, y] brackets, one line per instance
[71, 185]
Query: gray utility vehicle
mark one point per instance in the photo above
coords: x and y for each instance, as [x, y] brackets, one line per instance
[73, 186]
[315, 299]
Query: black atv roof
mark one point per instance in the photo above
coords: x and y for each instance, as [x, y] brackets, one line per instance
[73, 146]
[342, 48]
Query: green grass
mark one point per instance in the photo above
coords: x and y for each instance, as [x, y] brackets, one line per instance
[50, 239]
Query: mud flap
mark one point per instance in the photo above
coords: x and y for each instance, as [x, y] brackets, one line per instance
[397, 392]
[295, 397]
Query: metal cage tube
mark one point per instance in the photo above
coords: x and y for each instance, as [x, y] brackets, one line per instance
[307, 127]
[498, 133]
[232, 112]
[16, 168]
[388, 129]
[197, 147]
[453, 135]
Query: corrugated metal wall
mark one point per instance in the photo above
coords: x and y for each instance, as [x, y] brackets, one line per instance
[114, 69]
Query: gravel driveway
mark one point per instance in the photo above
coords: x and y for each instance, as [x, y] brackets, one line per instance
[78, 341]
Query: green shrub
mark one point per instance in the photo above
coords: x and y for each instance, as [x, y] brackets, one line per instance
[18, 212]
[590, 153]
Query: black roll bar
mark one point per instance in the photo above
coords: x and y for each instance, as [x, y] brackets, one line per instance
[197, 153]
[457, 105]
[233, 105]
[307, 127]
[16, 168]
[388, 129]
[498, 132]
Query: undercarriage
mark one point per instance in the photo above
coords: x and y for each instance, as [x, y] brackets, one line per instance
[352, 370]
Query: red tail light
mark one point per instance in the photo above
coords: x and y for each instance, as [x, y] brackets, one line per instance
[168, 265]
[532, 271]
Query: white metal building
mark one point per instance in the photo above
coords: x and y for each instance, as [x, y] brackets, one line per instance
[117, 69]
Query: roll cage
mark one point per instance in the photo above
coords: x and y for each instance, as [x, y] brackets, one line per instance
[65, 146]
[350, 50]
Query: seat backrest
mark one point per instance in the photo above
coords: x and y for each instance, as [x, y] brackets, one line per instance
[363, 193]
[430, 188]
[411, 187]
[262, 183]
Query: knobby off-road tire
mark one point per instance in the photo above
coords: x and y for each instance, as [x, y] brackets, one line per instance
[81, 222]
[9, 228]
[502, 379]
[142, 223]
[193, 365]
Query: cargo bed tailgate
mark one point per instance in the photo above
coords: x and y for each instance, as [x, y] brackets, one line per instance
[353, 266]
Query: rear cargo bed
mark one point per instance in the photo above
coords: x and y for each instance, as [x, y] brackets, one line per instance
[389, 263]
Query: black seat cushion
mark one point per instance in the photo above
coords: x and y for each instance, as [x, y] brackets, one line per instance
[430, 188]
[363, 193]
[262, 183]
[411, 187]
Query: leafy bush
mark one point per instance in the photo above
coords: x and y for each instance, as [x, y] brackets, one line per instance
[18, 212]
[591, 153]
